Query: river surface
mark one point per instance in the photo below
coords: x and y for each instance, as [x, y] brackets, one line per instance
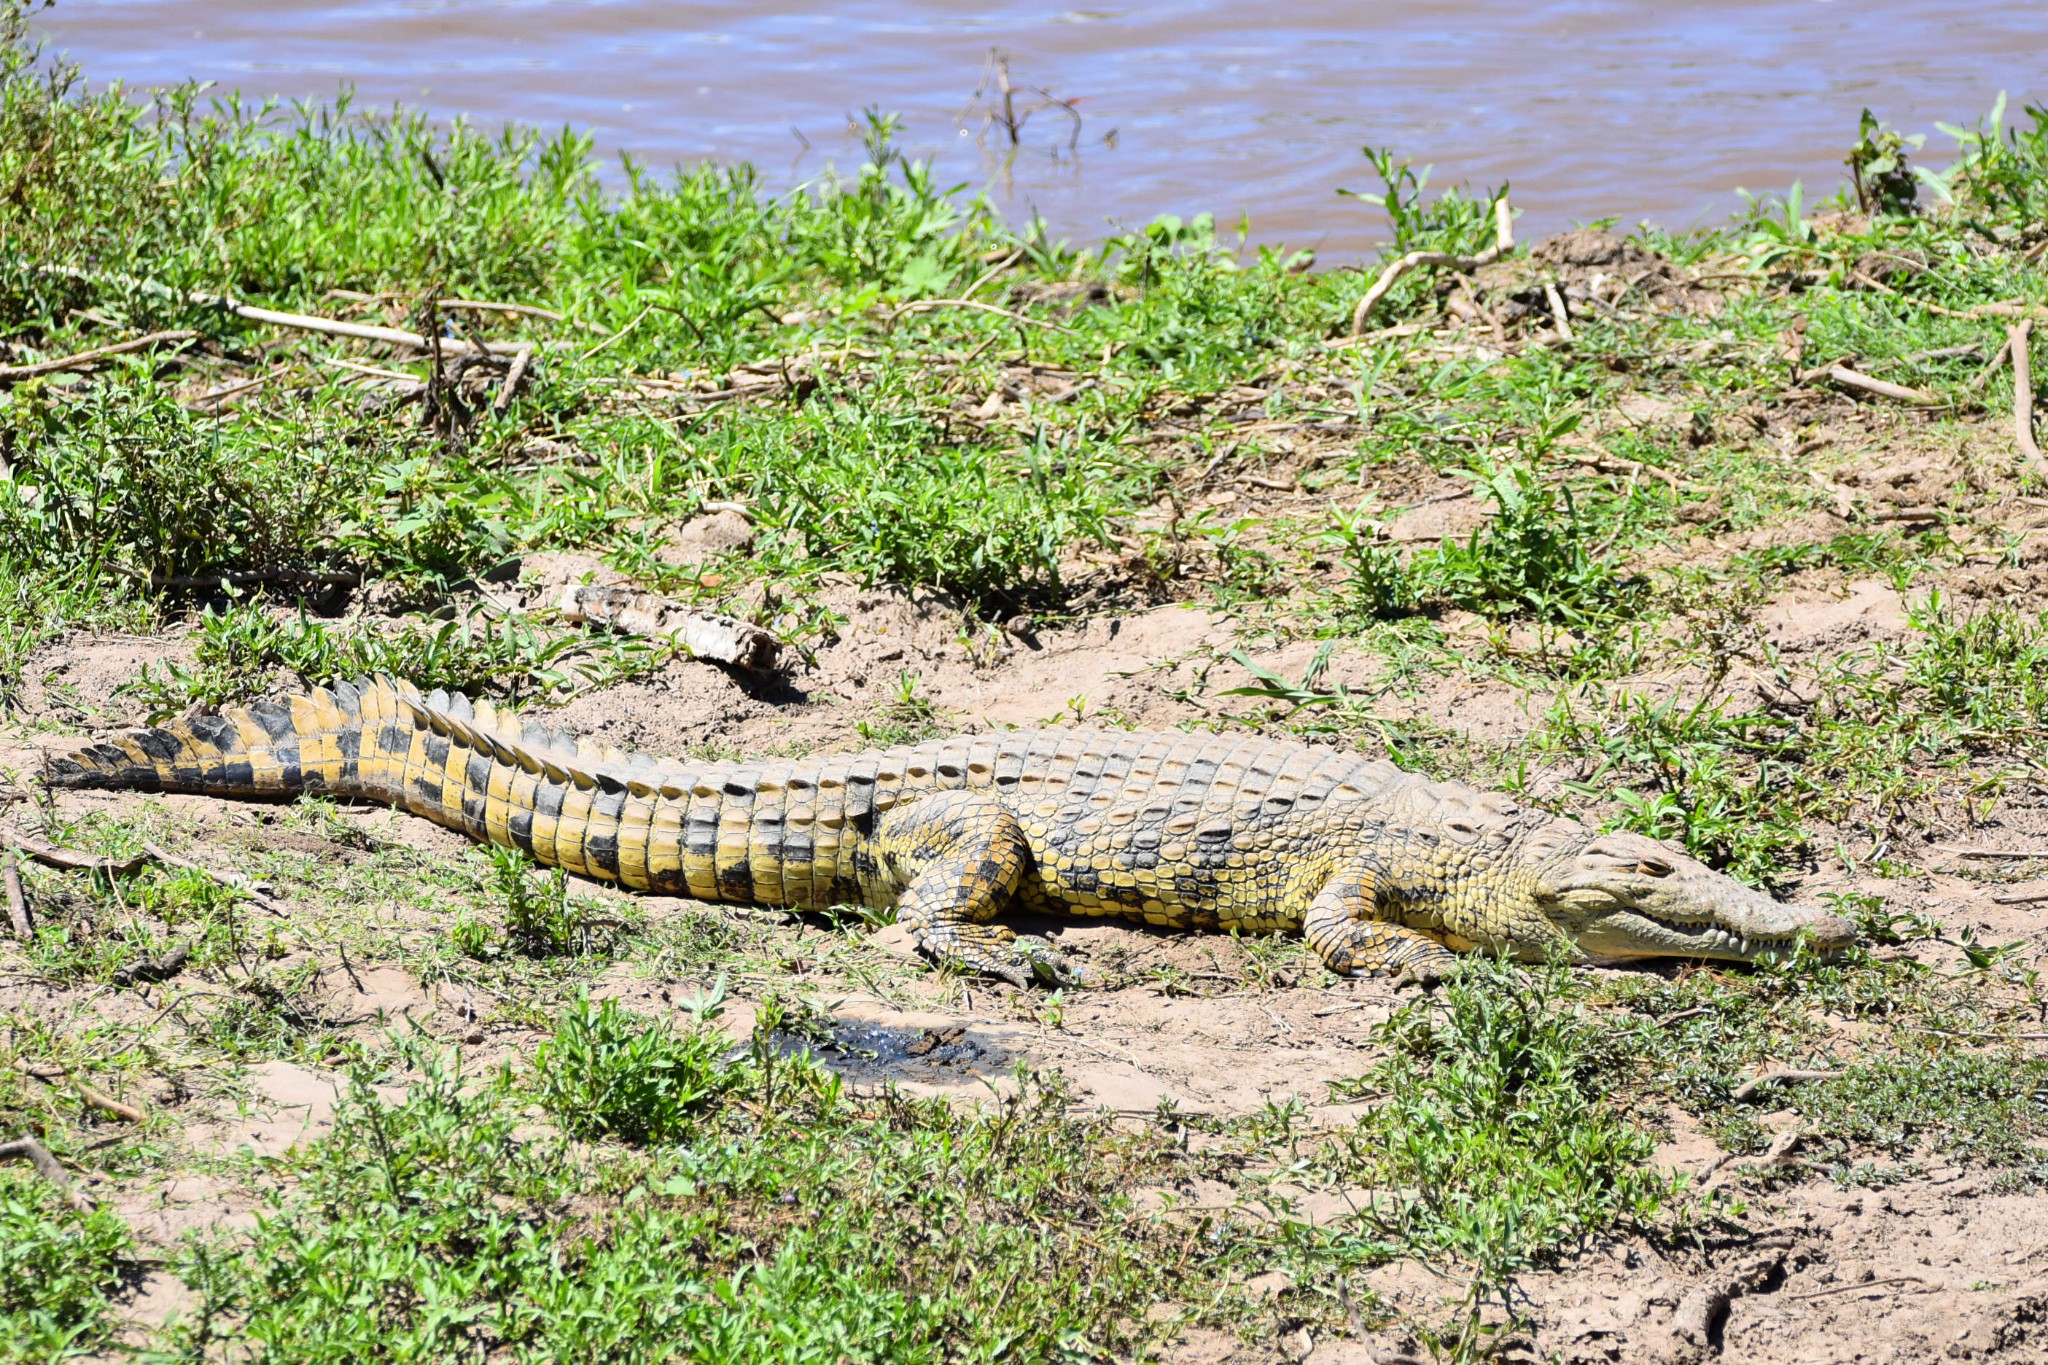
[1628, 109]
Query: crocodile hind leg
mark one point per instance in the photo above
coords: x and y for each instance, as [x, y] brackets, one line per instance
[958, 856]
[1343, 927]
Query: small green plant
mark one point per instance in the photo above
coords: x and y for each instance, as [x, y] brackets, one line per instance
[547, 922]
[1497, 1131]
[57, 1267]
[607, 1073]
[1884, 183]
[1377, 585]
[907, 717]
[1537, 556]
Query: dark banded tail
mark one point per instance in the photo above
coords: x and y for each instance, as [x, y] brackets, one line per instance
[463, 764]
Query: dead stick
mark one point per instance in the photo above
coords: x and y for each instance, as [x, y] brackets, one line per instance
[1748, 1089]
[84, 358]
[1503, 242]
[926, 305]
[305, 322]
[91, 1097]
[17, 901]
[1557, 313]
[487, 306]
[47, 1166]
[70, 860]
[249, 889]
[2021, 898]
[514, 373]
[2023, 391]
[1852, 1288]
[1992, 365]
[1850, 379]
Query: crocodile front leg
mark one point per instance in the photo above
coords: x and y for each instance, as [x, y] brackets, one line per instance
[1342, 925]
[958, 856]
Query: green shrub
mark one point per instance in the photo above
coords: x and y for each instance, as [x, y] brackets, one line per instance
[57, 1266]
[607, 1073]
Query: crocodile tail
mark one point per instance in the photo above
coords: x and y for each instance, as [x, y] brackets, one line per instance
[461, 763]
[277, 749]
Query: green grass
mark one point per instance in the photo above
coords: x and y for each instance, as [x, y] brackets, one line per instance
[1494, 1146]
[57, 1269]
[772, 1216]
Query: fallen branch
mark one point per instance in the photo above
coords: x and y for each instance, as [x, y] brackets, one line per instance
[90, 1097]
[1850, 379]
[487, 306]
[514, 374]
[303, 322]
[1992, 365]
[1749, 1088]
[2013, 309]
[47, 1166]
[70, 860]
[1503, 243]
[17, 900]
[306, 322]
[720, 639]
[8, 373]
[2020, 339]
[2021, 898]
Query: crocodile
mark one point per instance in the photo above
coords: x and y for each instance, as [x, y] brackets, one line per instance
[1384, 871]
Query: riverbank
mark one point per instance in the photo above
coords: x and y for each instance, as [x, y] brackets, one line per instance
[1728, 538]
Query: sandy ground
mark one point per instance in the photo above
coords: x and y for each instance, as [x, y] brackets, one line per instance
[1939, 1267]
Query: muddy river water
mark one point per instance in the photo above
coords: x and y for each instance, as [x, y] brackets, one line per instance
[1591, 108]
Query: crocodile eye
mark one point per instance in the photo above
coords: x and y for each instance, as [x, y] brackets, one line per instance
[1653, 867]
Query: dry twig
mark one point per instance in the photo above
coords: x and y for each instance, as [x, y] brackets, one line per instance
[1852, 1288]
[71, 860]
[1961, 852]
[2020, 339]
[17, 900]
[92, 1098]
[47, 1166]
[514, 373]
[1850, 379]
[251, 892]
[1503, 243]
[8, 373]
[927, 305]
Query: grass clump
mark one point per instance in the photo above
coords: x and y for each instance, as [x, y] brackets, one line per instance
[1494, 1141]
[606, 1073]
[1540, 557]
[57, 1268]
[800, 1226]
[237, 649]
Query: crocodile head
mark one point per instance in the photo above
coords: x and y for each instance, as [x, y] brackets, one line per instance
[1621, 896]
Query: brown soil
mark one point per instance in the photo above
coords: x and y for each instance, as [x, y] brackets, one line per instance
[1941, 1266]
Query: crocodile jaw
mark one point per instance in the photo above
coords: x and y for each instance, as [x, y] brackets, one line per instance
[1622, 897]
[1624, 936]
